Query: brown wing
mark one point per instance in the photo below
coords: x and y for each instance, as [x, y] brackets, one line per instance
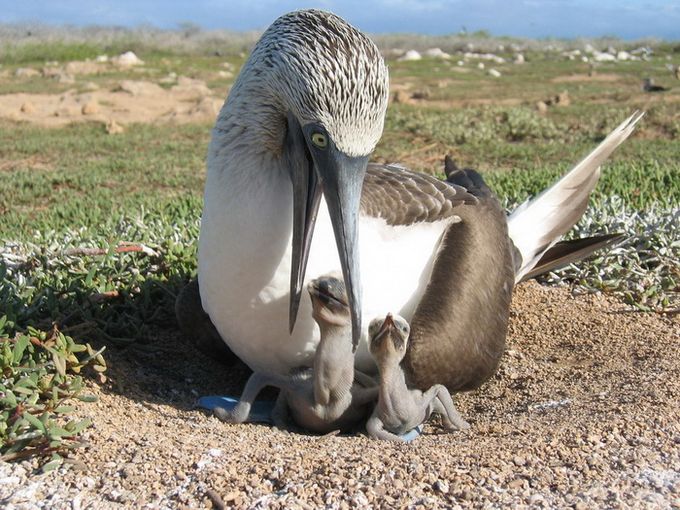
[403, 197]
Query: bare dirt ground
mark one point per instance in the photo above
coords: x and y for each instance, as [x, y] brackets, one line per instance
[189, 100]
[171, 98]
[583, 413]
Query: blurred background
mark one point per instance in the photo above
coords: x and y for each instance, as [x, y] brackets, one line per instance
[628, 19]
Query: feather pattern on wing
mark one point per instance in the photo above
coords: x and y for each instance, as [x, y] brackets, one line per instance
[402, 197]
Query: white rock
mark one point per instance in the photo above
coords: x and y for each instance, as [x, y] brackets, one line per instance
[484, 56]
[641, 50]
[519, 58]
[128, 59]
[102, 58]
[436, 53]
[588, 48]
[623, 55]
[480, 65]
[460, 63]
[494, 73]
[140, 88]
[410, 55]
[603, 57]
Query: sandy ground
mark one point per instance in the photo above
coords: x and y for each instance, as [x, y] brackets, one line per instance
[129, 101]
[583, 413]
[173, 98]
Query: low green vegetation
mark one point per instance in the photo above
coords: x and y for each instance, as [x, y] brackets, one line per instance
[40, 380]
[114, 282]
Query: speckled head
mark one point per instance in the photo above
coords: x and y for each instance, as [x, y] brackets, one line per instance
[388, 337]
[328, 73]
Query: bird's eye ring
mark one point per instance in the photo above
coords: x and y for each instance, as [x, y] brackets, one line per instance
[320, 140]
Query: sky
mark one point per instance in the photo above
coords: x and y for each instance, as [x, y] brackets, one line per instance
[627, 19]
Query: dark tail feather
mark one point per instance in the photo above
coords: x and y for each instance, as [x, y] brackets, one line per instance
[566, 252]
[468, 178]
[450, 166]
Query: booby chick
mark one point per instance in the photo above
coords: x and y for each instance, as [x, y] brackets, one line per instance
[326, 397]
[400, 409]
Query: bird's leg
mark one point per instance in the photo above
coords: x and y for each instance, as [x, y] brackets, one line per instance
[361, 396]
[438, 399]
[364, 389]
[376, 429]
[255, 384]
[281, 413]
[364, 380]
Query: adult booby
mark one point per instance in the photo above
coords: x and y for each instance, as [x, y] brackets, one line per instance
[288, 158]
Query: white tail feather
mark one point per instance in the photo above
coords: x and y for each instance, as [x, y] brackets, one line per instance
[539, 223]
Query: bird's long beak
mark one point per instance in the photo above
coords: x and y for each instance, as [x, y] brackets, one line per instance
[340, 178]
[306, 199]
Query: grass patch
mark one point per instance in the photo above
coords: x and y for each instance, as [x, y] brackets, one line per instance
[116, 297]
[40, 377]
[41, 52]
[86, 176]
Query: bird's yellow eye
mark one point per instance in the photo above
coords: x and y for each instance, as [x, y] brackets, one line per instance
[320, 140]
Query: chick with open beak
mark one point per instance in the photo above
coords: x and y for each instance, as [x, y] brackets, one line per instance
[400, 409]
[331, 395]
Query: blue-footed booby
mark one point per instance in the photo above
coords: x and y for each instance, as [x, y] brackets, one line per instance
[290, 196]
[400, 408]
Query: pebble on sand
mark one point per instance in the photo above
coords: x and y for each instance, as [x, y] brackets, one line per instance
[113, 128]
[28, 107]
[90, 108]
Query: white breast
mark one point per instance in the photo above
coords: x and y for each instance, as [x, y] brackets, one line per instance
[244, 270]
